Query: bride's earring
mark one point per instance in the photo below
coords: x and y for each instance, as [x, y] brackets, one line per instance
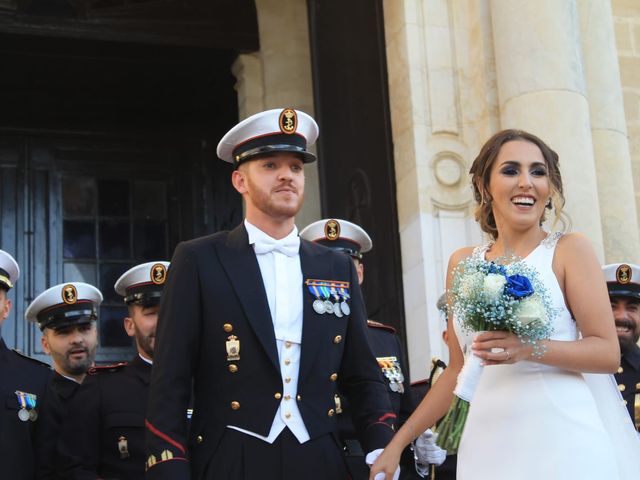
[549, 205]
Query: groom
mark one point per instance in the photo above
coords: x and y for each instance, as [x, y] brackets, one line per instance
[245, 317]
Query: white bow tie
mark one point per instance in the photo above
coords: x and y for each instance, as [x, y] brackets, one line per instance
[289, 245]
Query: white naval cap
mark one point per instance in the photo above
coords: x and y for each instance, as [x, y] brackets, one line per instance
[623, 279]
[278, 130]
[65, 304]
[9, 270]
[143, 283]
[338, 235]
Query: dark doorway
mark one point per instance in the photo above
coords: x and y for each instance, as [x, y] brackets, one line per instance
[107, 142]
[357, 171]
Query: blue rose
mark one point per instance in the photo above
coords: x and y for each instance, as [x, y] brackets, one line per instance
[518, 286]
[493, 268]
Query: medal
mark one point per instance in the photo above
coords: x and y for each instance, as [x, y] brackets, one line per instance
[318, 306]
[23, 414]
[393, 386]
[27, 402]
[318, 303]
[336, 310]
[328, 306]
[344, 306]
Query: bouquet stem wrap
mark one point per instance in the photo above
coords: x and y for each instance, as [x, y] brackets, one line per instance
[451, 427]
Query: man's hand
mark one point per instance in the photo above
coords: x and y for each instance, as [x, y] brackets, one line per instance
[426, 451]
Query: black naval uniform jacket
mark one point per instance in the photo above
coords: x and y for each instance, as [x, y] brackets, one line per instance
[628, 378]
[19, 373]
[104, 436]
[52, 417]
[385, 346]
[215, 294]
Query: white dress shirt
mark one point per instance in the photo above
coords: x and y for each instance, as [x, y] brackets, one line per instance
[282, 278]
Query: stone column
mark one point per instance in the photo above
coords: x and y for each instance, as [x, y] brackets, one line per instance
[609, 132]
[541, 89]
[279, 76]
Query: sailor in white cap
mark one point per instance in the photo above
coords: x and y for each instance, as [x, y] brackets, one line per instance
[67, 314]
[116, 450]
[623, 282]
[237, 325]
[23, 383]
[353, 240]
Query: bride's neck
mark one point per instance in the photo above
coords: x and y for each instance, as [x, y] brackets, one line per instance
[518, 243]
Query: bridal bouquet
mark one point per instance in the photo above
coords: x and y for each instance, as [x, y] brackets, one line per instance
[488, 296]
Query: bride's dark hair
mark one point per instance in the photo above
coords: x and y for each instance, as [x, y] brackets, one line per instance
[481, 172]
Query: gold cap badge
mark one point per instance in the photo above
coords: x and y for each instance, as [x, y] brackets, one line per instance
[332, 230]
[158, 274]
[69, 294]
[623, 274]
[288, 121]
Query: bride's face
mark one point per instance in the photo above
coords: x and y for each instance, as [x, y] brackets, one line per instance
[519, 185]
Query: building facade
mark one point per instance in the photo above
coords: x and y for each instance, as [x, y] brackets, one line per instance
[405, 91]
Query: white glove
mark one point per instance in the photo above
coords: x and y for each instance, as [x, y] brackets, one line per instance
[426, 451]
[371, 459]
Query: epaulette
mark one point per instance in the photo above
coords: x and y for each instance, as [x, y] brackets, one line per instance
[106, 368]
[27, 357]
[374, 324]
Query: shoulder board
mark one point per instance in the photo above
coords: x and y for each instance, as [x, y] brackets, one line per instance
[374, 324]
[107, 368]
[27, 357]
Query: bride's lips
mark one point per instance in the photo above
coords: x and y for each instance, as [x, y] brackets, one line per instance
[523, 201]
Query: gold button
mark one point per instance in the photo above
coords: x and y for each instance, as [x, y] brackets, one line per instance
[621, 387]
[278, 396]
[287, 361]
[637, 386]
[298, 398]
[620, 369]
[287, 344]
[331, 413]
[334, 377]
[233, 368]
[337, 339]
[287, 397]
[287, 415]
[199, 439]
[227, 327]
[287, 380]
[235, 405]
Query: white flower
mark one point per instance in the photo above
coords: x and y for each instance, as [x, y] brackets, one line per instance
[531, 309]
[471, 285]
[493, 286]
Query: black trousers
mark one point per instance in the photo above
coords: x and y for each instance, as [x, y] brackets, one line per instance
[243, 457]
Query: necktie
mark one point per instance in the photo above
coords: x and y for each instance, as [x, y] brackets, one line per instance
[289, 246]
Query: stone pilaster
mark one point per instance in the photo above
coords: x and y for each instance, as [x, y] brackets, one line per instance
[609, 131]
[541, 89]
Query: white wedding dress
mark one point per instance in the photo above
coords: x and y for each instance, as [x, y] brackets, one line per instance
[529, 421]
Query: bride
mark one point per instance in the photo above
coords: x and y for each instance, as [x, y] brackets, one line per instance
[555, 416]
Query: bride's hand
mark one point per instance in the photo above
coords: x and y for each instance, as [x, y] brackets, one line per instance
[386, 465]
[498, 348]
